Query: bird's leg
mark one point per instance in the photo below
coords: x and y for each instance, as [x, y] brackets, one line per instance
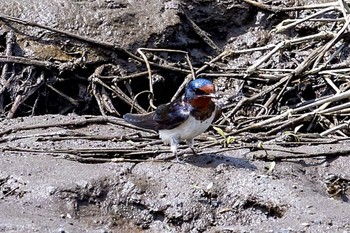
[174, 144]
[190, 143]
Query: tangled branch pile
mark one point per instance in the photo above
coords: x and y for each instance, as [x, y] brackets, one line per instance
[300, 83]
[296, 78]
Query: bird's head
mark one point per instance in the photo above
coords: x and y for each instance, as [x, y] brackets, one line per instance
[199, 92]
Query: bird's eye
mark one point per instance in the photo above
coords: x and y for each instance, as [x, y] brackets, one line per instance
[199, 92]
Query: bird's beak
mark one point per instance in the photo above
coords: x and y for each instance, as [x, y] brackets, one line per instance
[212, 95]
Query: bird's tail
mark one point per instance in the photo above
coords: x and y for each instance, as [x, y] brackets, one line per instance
[145, 121]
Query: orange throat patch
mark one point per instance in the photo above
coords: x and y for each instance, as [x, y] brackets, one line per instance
[201, 102]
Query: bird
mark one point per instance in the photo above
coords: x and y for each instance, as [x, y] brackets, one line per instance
[182, 119]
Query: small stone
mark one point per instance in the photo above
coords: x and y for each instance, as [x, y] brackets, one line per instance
[318, 221]
[162, 195]
[305, 224]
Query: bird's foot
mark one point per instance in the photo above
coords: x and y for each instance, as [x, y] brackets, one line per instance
[182, 161]
[185, 155]
[182, 156]
[194, 151]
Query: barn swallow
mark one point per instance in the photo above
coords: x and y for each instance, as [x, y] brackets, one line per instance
[184, 118]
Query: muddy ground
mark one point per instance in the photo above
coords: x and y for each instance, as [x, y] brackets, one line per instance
[223, 192]
[50, 183]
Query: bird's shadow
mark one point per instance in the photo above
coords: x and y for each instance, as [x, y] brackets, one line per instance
[214, 160]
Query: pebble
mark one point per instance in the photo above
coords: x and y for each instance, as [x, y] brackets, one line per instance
[305, 224]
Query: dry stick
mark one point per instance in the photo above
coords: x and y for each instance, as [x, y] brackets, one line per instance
[10, 43]
[85, 121]
[344, 8]
[107, 102]
[29, 90]
[302, 118]
[150, 83]
[325, 105]
[253, 67]
[330, 125]
[279, 96]
[87, 152]
[286, 43]
[250, 99]
[303, 66]
[255, 49]
[327, 20]
[98, 98]
[250, 120]
[295, 8]
[201, 33]
[35, 104]
[332, 42]
[286, 24]
[340, 113]
[114, 160]
[96, 92]
[335, 108]
[331, 83]
[131, 94]
[127, 77]
[26, 61]
[81, 151]
[334, 98]
[318, 36]
[322, 53]
[335, 71]
[297, 71]
[48, 125]
[241, 76]
[333, 111]
[316, 143]
[62, 134]
[103, 100]
[325, 122]
[268, 103]
[331, 153]
[190, 64]
[335, 129]
[9, 192]
[34, 62]
[66, 97]
[322, 69]
[136, 96]
[335, 53]
[121, 95]
[139, 50]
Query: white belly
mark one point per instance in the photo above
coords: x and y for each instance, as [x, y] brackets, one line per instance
[187, 130]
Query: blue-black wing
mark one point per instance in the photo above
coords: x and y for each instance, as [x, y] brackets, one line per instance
[166, 116]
